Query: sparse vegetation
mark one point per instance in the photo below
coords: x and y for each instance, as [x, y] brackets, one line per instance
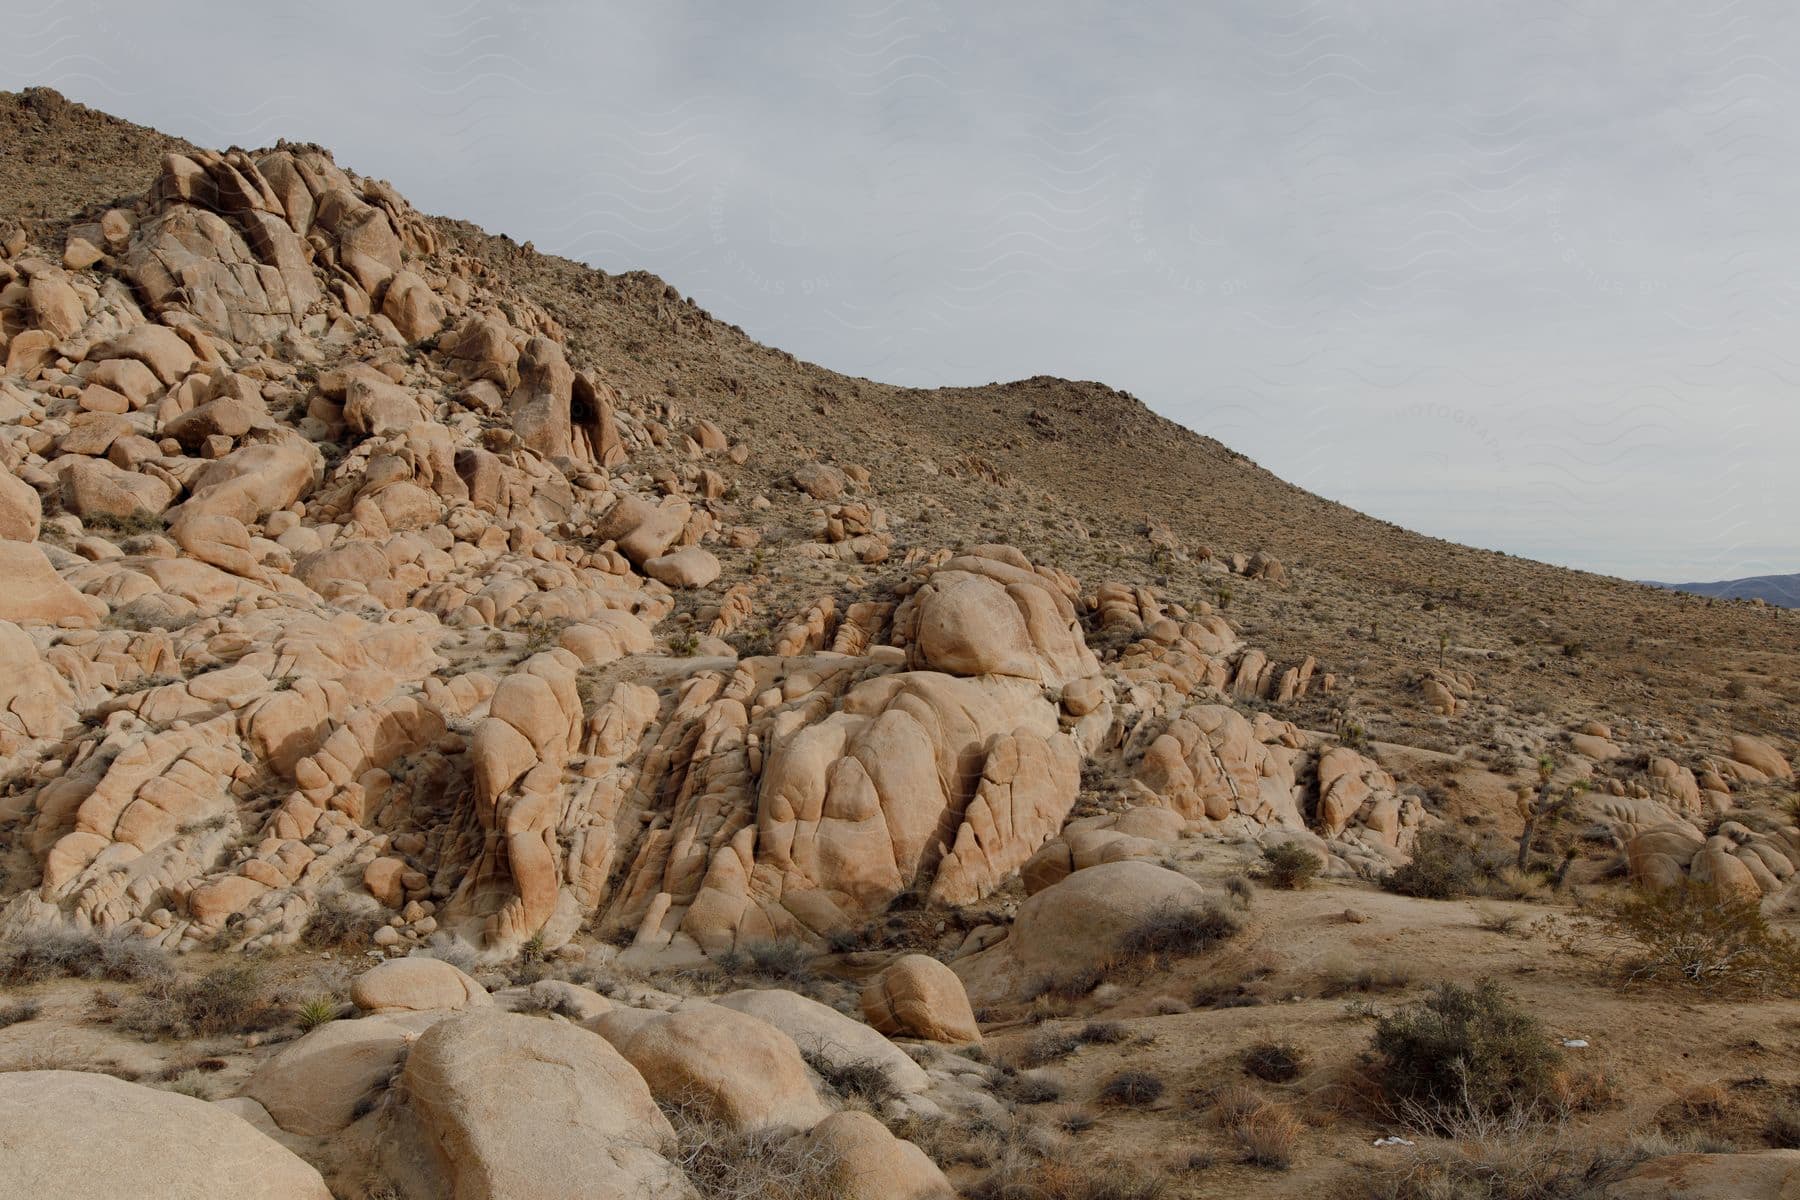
[1071, 1177]
[1104, 1033]
[134, 524]
[226, 1000]
[1240, 889]
[35, 957]
[1267, 1136]
[1289, 865]
[1275, 1062]
[1175, 932]
[861, 1079]
[1447, 865]
[756, 1164]
[1049, 1046]
[1696, 936]
[776, 959]
[1504, 1160]
[341, 923]
[1464, 1053]
[1132, 1088]
[18, 1014]
[1343, 979]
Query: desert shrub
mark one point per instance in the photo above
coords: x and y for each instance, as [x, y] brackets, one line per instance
[1344, 978]
[17, 1014]
[1496, 920]
[1461, 1051]
[1267, 1136]
[1104, 1033]
[754, 1164]
[1275, 1062]
[540, 1004]
[458, 954]
[189, 1083]
[540, 635]
[1240, 889]
[35, 957]
[1048, 1047]
[776, 959]
[861, 1079]
[137, 522]
[1031, 1089]
[1696, 936]
[1445, 866]
[1174, 931]
[339, 923]
[1133, 1088]
[1289, 865]
[1071, 986]
[227, 1000]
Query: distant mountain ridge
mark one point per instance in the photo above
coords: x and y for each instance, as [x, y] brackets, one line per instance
[1781, 590]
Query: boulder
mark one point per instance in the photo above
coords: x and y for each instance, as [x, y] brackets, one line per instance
[416, 984]
[990, 612]
[510, 1107]
[920, 997]
[644, 530]
[254, 481]
[1076, 926]
[34, 699]
[35, 593]
[689, 568]
[819, 481]
[21, 509]
[56, 306]
[1760, 756]
[376, 407]
[230, 416]
[727, 1065]
[72, 1135]
[866, 1162]
[93, 487]
[314, 1085]
[156, 346]
[824, 1033]
[413, 307]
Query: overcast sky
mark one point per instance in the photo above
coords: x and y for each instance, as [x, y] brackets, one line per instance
[1521, 275]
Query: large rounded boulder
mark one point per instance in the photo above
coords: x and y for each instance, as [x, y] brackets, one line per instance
[503, 1106]
[70, 1135]
[726, 1066]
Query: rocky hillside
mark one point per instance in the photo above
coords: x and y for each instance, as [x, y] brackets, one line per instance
[381, 590]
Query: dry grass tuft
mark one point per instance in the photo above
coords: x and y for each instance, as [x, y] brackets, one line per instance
[1267, 1136]
[758, 1164]
[1132, 1088]
[1275, 1062]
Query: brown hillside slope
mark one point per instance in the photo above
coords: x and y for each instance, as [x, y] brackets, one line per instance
[1080, 471]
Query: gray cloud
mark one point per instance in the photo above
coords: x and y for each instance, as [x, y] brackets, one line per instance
[1518, 275]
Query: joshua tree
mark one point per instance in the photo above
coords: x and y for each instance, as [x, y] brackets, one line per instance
[1546, 808]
